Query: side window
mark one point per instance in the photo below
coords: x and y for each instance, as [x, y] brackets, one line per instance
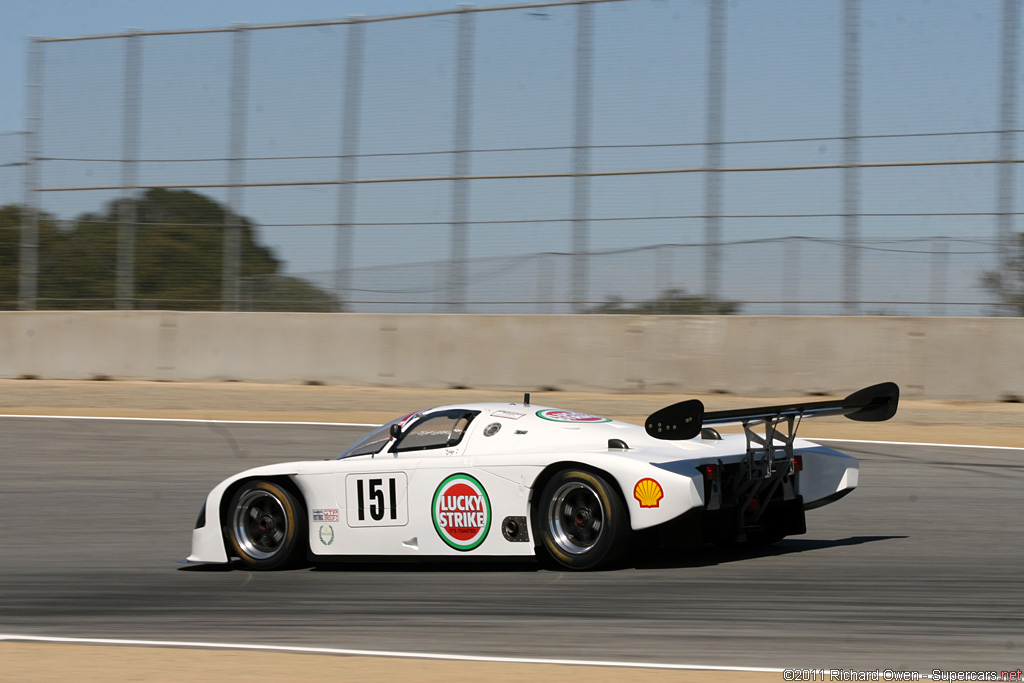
[440, 430]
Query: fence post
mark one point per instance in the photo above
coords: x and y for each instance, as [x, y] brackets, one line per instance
[351, 110]
[581, 156]
[28, 273]
[128, 214]
[713, 177]
[460, 164]
[851, 156]
[1007, 124]
[790, 274]
[664, 255]
[236, 168]
[938, 276]
[544, 282]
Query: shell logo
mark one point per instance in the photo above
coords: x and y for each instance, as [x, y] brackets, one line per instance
[648, 492]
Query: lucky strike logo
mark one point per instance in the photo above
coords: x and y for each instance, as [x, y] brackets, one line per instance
[462, 512]
[556, 415]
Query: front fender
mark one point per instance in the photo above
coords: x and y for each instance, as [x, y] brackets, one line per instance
[208, 540]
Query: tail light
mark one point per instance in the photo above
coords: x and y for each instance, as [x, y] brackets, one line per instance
[798, 463]
[709, 471]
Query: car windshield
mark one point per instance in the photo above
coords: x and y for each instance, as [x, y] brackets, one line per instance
[436, 430]
[372, 442]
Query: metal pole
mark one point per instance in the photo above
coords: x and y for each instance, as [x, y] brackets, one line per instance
[790, 274]
[28, 274]
[351, 110]
[127, 214]
[581, 156]
[713, 178]
[663, 257]
[441, 286]
[460, 163]
[545, 277]
[1007, 123]
[939, 269]
[236, 168]
[851, 156]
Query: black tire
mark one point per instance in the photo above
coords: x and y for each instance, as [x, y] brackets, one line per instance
[581, 520]
[266, 526]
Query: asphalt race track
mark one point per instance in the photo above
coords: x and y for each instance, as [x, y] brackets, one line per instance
[921, 568]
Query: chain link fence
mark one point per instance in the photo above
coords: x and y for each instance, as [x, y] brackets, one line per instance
[584, 156]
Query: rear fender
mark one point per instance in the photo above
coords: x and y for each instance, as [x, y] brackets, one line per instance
[653, 494]
[827, 475]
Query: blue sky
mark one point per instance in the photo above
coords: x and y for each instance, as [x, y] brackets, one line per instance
[929, 66]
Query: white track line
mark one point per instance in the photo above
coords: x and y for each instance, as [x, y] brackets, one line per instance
[377, 653]
[182, 419]
[367, 424]
[916, 443]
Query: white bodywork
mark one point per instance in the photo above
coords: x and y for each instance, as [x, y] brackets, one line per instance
[506, 462]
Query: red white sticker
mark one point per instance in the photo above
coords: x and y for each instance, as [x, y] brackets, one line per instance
[556, 415]
[405, 420]
[648, 493]
[462, 512]
[330, 515]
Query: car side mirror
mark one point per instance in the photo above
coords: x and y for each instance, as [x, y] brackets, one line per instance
[396, 430]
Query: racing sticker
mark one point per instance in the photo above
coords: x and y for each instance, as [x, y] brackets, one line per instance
[556, 415]
[648, 492]
[330, 515]
[462, 512]
[326, 534]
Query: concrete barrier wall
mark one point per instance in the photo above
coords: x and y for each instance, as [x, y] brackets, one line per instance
[978, 359]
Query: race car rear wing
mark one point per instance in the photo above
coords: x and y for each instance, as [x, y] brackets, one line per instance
[684, 420]
[770, 456]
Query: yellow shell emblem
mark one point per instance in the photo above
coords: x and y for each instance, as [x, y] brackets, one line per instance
[648, 492]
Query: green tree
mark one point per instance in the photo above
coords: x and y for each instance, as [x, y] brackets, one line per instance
[1008, 285]
[670, 302]
[10, 252]
[10, 239]
[179, 243]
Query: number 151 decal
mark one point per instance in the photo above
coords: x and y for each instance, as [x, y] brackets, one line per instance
[377, 499]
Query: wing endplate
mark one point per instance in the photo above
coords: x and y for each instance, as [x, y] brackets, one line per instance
[677, 422]
[875, 403]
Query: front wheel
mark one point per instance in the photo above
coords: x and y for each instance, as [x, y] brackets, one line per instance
[581, 520]
[266, 526]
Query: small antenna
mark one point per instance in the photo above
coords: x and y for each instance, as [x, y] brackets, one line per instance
[526, 398]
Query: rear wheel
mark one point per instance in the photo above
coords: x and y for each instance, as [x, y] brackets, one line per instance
[581, 520]
[266, 526]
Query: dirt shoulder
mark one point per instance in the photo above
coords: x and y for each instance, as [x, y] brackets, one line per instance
[994, 424]
[48, 662]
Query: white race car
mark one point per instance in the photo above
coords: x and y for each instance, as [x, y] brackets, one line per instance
[519, 480]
